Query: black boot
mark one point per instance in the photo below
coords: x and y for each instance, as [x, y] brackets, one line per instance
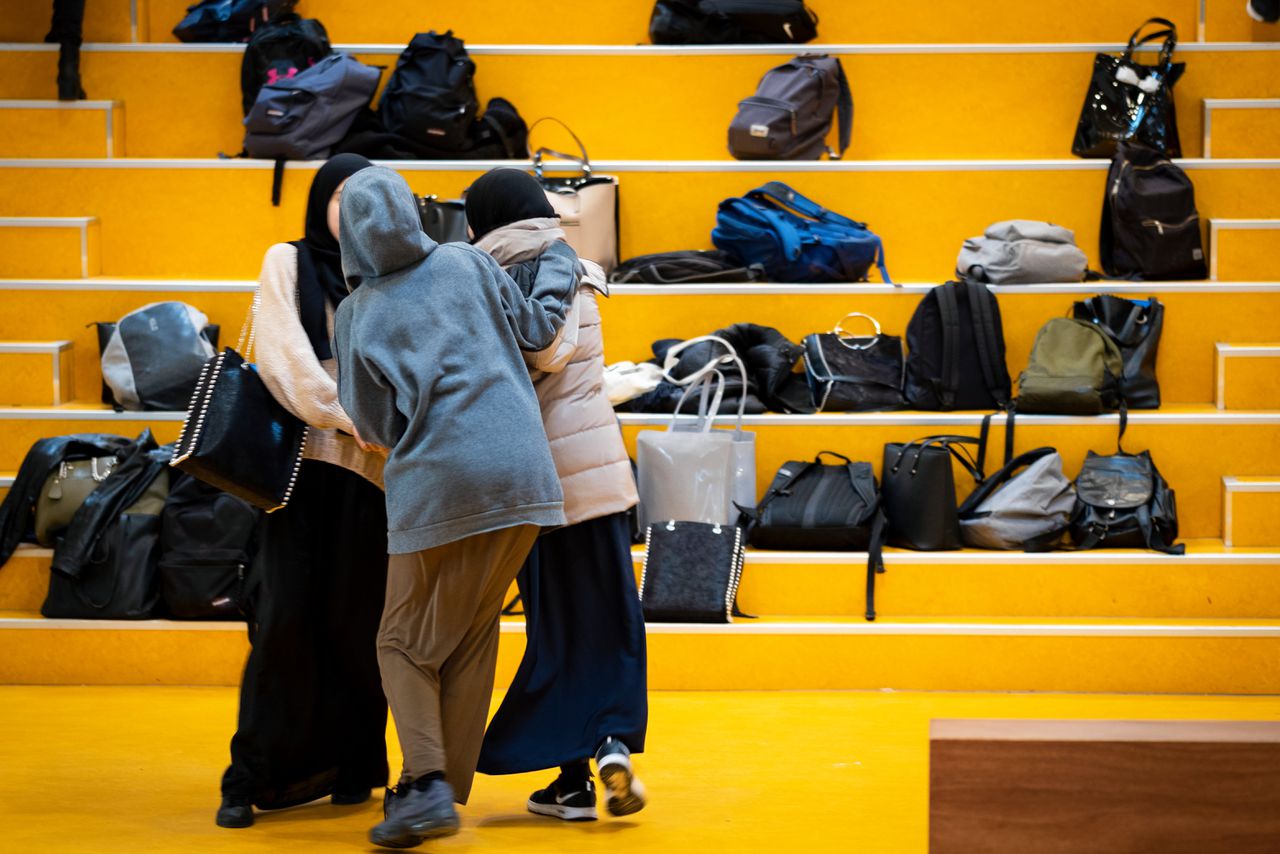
[235, 812]
[69, 73]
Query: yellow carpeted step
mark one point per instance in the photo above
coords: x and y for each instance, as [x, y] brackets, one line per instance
[910, 102]
[36, 373]
[20, 427]
[923, 210]
[1197, 317]
[50, 245]
[1243, 249]
[61, 128]
[1209, 582]
[1251, 511]
[1241, 127]
[1194, 447]
[1224, 22]
[1248, 375]
[1155, 656]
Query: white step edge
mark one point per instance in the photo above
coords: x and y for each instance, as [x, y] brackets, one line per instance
[1129, 557]
[746, 627]
[626, 166]
[1217, 226]
[6, 481]
[1223, 351]
[210, 286]
[81, 222]
[1211, 104]
[1233, 485]
[53, 349]
[107, 108]
[683, 50]
[850, 419]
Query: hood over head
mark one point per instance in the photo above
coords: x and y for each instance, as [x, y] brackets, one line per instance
[379, 227]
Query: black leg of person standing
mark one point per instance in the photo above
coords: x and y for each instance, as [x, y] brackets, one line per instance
[313, 717]
[68, 24]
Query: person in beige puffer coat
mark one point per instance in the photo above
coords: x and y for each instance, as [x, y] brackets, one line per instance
[581, 689]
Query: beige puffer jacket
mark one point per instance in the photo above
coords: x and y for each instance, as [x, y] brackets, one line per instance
[586, 442]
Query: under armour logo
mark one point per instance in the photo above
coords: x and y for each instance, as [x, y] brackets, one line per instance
[273, 75]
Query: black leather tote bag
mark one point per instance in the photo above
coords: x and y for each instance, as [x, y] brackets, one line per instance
[1127, 100]
[918, 490]
[1135, 326]
[691, 572]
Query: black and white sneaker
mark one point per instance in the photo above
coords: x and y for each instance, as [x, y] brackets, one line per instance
[570, 802]
[625, 794]
[1264, 11]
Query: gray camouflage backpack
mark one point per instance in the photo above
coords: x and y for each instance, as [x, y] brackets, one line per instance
[1022, 252]
[789, 116]
[304, 116]
[1029, 497]
[154, 356]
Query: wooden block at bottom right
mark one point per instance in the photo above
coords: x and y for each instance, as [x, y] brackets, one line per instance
[1077, 787]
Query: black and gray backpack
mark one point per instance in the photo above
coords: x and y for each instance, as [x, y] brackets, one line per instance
[956, 355]
[732, 22]
[686, 266]
[1027, 498]
[1150, 226]
[282, 48]
[789, 116]
[431, 96]
[153, 356]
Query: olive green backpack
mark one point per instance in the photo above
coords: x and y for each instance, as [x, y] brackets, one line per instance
[1075, 369]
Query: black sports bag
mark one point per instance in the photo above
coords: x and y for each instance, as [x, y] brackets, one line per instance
[684, 266]
[732, 22]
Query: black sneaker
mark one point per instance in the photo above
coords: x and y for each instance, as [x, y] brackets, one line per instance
[1264, 11]
[625, 794]
[415, 815]
[235, 812]
[568, 801]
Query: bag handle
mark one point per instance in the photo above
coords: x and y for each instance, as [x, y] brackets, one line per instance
[1169, 34]
[984, 335]
[583, 162]
[706, 415]
[950, 443]
[249, 329]
[844, 113]
[841, 334]
[998, 478]
[672, 358]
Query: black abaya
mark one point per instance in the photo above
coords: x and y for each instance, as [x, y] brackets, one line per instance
[313, 717]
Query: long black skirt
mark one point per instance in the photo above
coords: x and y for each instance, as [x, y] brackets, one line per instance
[583, 676]
[313, 717]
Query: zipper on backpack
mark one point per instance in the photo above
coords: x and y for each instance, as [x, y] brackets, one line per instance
[1161, 226]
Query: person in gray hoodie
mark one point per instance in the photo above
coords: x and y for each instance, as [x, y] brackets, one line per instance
[430, 366]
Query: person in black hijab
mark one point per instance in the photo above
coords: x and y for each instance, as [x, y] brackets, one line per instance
[313, 717]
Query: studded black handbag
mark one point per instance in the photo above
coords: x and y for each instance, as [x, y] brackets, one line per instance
[691, 572]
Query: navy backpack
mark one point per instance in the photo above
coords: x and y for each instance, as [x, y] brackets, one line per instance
[795, 239]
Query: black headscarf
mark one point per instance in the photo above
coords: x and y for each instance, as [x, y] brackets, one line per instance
[319, 261]
[503, 196]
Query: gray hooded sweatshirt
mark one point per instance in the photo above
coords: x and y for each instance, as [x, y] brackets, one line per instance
[429, 348]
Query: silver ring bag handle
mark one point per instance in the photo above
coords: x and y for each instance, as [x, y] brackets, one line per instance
[844, 337]
[583, 163]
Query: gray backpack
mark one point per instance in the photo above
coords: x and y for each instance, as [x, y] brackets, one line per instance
[1028, 498]
[154, 356]
[1022, 252]
[303, 117]
[789, 116]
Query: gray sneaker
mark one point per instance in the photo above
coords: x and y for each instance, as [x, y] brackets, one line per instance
[416, 815]
[625, 793]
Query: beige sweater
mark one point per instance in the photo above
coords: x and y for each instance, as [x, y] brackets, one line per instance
[302, 383]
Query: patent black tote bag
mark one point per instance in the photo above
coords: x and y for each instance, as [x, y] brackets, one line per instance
[1127, 100]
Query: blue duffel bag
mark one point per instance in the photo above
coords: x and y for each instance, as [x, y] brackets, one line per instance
[794, 239]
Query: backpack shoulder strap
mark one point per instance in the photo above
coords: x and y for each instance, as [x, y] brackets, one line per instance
[994, 372]
[949, 312]
[992, 483]
[844, 114]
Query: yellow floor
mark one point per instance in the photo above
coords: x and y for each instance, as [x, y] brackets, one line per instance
[136, 770]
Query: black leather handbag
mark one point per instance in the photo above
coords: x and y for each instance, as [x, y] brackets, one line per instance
[1135, 326]
[237, 436]
[691, 572]
[849, 373]
[1128, 100]
[1123, 502]
[919, 490]
[443, 221]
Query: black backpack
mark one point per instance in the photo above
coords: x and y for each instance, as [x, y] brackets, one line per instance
[732, 22]
[1123, 502]
[280, 49]
[431, 96]
[206, 542]
[701, 266]
[956, 356]
[228, 20]
[1150, 226]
